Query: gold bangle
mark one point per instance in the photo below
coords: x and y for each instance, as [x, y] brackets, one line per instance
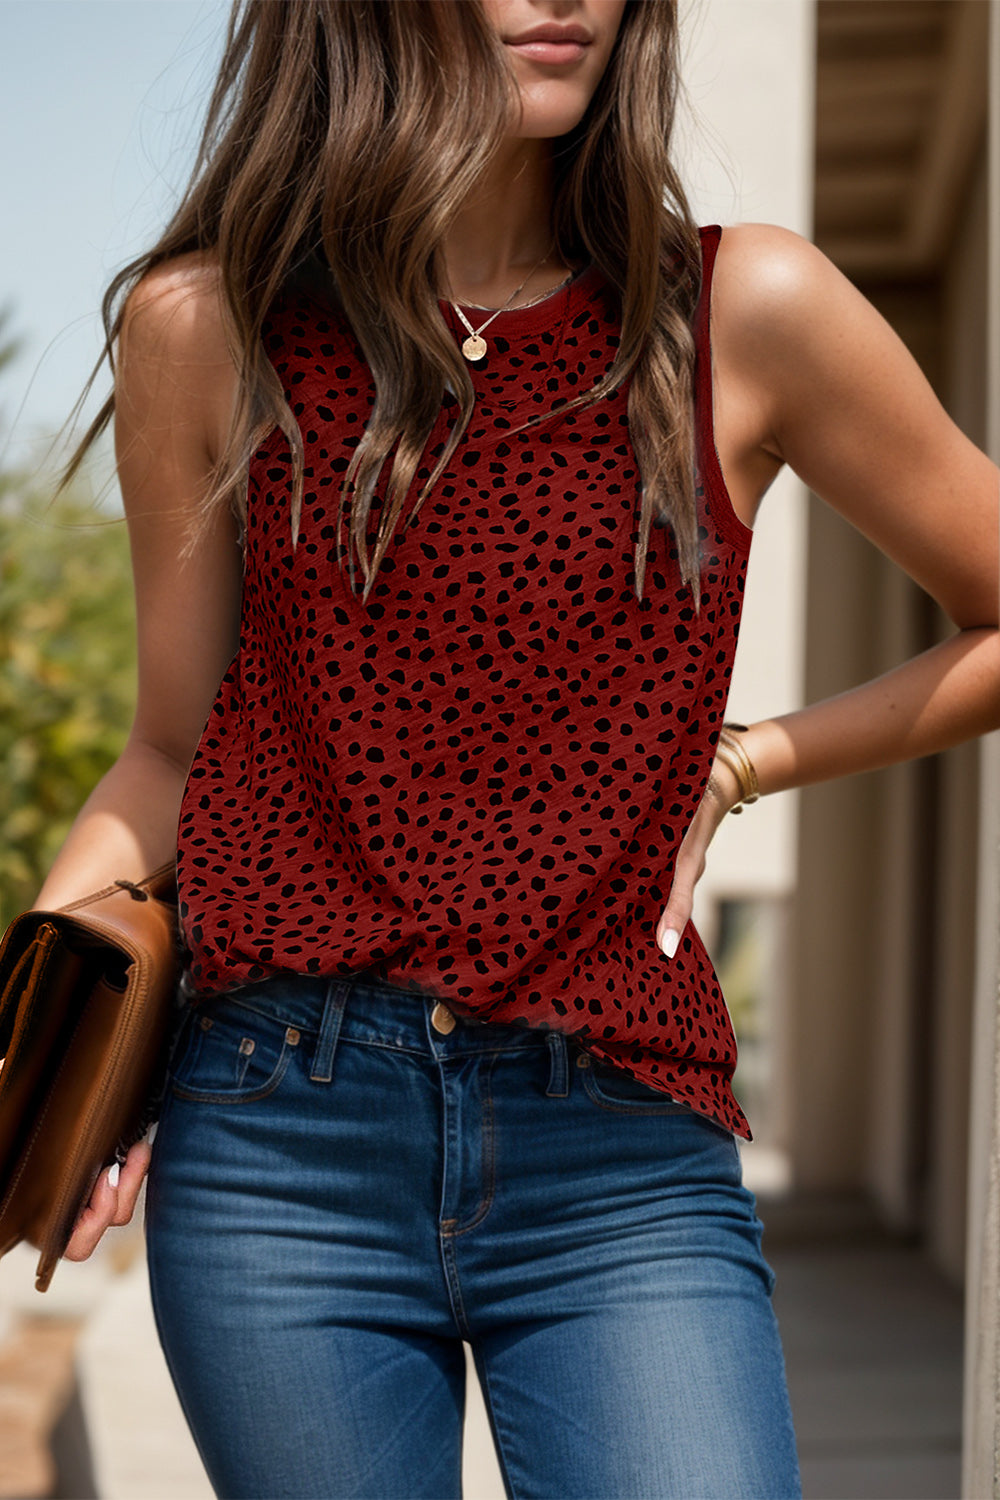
[746, 775]
[731, 751]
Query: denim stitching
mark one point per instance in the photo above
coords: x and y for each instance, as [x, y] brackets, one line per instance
[452, 1283]
[325, 1050]
[488, 1160]
[236, 1096]
[558, 1083]
[310, 1030]
[626, 1106]
[183, 1047]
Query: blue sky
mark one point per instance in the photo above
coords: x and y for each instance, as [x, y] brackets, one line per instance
[100, 106]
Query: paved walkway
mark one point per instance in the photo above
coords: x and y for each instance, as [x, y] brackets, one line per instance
[873, 1347]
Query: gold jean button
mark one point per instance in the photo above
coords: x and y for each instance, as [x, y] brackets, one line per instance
[442, 1019]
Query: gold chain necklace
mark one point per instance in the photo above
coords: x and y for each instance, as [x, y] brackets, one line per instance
[475, 346]
[481, 307]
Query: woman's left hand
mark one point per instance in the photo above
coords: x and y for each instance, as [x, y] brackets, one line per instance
[112, 1201]
[721, 793]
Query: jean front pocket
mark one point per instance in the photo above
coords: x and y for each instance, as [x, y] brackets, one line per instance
[232, 1055]
[612, 1088]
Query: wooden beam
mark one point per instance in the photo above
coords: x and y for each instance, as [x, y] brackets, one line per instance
[865, 254]
[856, 191]
[844, 82]
[870, 132]
[954, 132]
[862, 20]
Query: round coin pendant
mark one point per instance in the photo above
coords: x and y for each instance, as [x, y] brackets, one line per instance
[474, 347]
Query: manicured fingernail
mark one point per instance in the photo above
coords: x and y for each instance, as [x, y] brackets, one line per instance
[114, 1172]
[670, 941]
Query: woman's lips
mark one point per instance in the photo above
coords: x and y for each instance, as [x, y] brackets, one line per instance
[550, 52]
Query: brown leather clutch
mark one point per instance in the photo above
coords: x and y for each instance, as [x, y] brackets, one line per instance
[87, 1001]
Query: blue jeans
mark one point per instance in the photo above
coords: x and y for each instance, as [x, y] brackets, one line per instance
[341, 1192]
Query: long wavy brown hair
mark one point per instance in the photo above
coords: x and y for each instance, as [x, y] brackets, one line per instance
[340, 139]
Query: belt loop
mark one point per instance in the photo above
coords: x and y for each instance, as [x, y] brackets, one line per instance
[558, 1084]
[329, 1030]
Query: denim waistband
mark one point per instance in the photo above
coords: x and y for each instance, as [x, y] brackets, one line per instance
[363, 1008]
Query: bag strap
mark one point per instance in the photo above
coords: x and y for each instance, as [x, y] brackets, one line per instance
[160, 886]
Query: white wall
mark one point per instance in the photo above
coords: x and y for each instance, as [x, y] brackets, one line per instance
[745, 152]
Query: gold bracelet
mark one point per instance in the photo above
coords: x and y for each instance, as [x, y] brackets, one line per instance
[731, 751]
[734, 755]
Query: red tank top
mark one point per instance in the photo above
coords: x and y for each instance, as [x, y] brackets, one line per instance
[476, 783]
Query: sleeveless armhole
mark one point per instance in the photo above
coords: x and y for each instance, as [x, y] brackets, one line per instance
[717, 493]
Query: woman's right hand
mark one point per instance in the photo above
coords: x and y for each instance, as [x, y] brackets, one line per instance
[111, 1202]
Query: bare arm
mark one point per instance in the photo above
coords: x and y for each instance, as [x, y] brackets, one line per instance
[173, 393]
[850, 411]
[838, 397]
[174, 382]
[940, 698]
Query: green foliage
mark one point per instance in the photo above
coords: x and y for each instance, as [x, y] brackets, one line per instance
[67, 673]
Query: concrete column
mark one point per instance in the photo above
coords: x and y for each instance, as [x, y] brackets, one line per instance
[981, 1449]
[745, 153]
[959, 829]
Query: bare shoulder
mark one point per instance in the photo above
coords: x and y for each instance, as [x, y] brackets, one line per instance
[175, 353]
[770, 249]
[177, 306]
[771, 283]
[792, 329]
[175, 314]
[821, 381]
[762, 274]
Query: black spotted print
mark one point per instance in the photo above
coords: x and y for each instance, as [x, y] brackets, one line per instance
[475, 784]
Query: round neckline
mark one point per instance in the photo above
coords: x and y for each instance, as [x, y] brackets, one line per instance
[514, 322]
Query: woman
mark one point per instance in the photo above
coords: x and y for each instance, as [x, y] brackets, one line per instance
[453, 1063]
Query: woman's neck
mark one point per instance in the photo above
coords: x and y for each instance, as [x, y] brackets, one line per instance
[502, 233]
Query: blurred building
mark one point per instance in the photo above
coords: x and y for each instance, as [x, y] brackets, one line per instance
[858, 935]
[868, 134]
